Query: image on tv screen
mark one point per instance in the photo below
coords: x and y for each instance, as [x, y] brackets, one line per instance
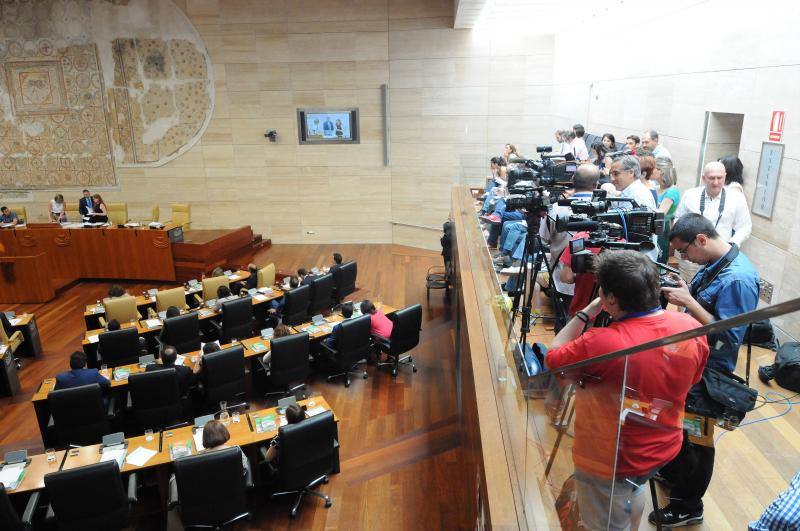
[328, 126]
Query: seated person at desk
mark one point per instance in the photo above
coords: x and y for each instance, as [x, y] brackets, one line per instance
[79, 375]
[380, 325]
[304, 276]
[112, 325]
[337, 262]
[58, 213]
[8, 216]
[252, 280]
[217, 272]
[222, 293]
[208, 348]
[280, 331]
[276, 305]
[347, 313]
[85, 204]
[172, 311]
[116, 291]
[168, 357]
[99, 212]
[294, 414]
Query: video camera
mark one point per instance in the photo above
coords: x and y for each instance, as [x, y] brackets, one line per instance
[548, 170]
[635, 225]
[583, 259]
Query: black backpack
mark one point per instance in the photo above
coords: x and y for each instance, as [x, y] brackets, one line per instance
[786, 369]
[761, 334]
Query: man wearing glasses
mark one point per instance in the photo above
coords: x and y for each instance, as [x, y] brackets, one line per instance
[725, 286]
[626, 177]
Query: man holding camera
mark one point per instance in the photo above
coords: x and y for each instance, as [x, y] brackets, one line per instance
[725, 286]
[612, 464]
[626, 177]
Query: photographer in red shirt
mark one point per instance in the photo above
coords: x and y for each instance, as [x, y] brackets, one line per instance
[628, 411]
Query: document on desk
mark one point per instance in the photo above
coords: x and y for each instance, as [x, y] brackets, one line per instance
[113, 453]
[198, 439]
[153, 323]
[2, 349]
[260, 298]
[14, 322]
[93, 339]
[11, 475]
[140, 456]
[315, 411]
[179, 359]
[233, 277]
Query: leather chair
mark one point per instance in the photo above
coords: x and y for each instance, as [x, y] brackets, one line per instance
[79, 414]
[9, 519]
[123, 309]
[117, 213]
[307, 457]
[155, 398]
[344, 280]
[321, 293]
[266, 276]
[182, 215]
[171, 297]
[223, 375]
[211, 285]
[289, 363]
[405, 336]
[237, 320]
[90, 497]
[353, 344]
[212, 488]
[295, 305]
[182, 332]
[118, 347]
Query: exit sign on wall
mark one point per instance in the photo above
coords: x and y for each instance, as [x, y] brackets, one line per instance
[776, 126]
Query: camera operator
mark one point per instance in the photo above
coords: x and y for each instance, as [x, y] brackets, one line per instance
[656, 383]
[626, 177]
[726, 286]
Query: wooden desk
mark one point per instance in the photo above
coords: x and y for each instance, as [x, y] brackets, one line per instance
[26, 323]
[332, 319]
[35, 472]
[241, 435]
[89, 455]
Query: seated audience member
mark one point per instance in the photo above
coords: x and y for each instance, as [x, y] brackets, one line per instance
[223, 292]
[347, 313]
[79, 375]
[217, 272]
[632, 144]
[116, 291]
[238, 288]
[112, 325]
[168, 357]
[172, 311]
[599, 155]
[58, 213]
[609, 142]
[294, 414]
[8, 216]
[510, 151]
[499, 169]
[305, 276]
[280, 331]
[380, 325]
[208, 348]
[337, 263]
[276, 305]
[252, 280]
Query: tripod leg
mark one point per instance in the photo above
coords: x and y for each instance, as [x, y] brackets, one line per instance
[562, 429]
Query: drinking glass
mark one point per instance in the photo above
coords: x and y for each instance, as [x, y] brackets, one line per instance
[148, 435]
[224, 416]
[51, 455]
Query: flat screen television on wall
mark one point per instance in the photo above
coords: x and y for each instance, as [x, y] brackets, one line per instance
[328, 126]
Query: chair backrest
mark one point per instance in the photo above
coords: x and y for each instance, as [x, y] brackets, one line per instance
[223, 374]
[73, 211]
[182, 214]
[156, 398]
[237, 319]
[211, 487]
[119, 347]
[353, 343]
[266, 276]
[79, 414]
[212, 284]
[170, 297]
[344, 279]
[321, 293]
[307, 450]
[88, 497]
[4, 340]
[155, 213]
[123, 309]
[9, 519]
[405, 332]
[22, 212]
[117, 213]
[183, 332]
[295, 305]
[289, 361]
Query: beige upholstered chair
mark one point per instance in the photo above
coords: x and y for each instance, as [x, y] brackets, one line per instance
[73, 212]
[155, 213]
[117, 213]
[123, 309]
[12, 342]
[182, 215]
[266, 276]
[211, 285]
[22, 213]
[170, 297]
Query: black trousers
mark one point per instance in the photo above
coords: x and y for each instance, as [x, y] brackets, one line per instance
[690, 474]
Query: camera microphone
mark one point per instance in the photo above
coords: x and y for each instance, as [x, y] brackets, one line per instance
[615, 154]
[563, 224]
[640, 246]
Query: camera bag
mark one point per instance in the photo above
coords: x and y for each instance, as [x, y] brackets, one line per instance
[761, 334]
[786, 370]
[721, 395]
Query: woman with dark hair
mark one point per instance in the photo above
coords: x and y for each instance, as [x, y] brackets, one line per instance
[598, 153]
[294, 414]
[733, 173]
[668, 199]
[609, 142]
[99, 212]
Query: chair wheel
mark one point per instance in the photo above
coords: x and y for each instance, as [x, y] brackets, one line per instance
[394, 372]
[414, 368]
[293, 513]
[410, 359]
[326, 480]
[328, 503]
[347, 383]
[365, 375]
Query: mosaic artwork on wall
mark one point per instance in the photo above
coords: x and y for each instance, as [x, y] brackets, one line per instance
[85, 89]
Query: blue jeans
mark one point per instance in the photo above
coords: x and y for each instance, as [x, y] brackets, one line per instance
[510, 235]
[496, 228]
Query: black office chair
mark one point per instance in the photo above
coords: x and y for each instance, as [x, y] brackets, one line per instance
[321, 293]
[182, 332]
[90, 497]
[118, 347]
[212, 488]
[237, 320]
[307, 457]
[353, 344]
[344, 280]
[79, 415]
[155, 398]
[223, 374]
[405, 336]
[9, 519]
[289, 363]
[295, 305]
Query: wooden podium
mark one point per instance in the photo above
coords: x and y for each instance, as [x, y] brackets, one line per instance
[22, 279]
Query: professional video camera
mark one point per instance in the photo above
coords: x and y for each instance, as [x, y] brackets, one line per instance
[548, 170]
[583, 259]
[635, 225]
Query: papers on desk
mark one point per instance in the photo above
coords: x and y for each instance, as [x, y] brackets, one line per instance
[153, 323]
[315, 411]
[11, 475]
[93, 339]
[313, 329]
[180, 359]
[198, 439]
[114, 453]
[98, 309]
[205, 312]
[260, 298]
[233, 277]
[121, 374]
[15, 322]
[258, 347]
[180, 449]
[266, 291]
[140, 456]
[3, 349]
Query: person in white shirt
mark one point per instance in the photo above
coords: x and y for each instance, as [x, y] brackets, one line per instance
[580, 144]
[576, 146]
[625, 176]
[57, 209]
[650, 141]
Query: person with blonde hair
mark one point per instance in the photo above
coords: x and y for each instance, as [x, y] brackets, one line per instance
[58, 213]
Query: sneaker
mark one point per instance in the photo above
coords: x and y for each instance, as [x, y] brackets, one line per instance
[513, 270]
[493, 218]
[670, 517]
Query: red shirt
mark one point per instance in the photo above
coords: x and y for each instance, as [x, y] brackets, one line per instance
[380, 325]
[656, 384]
[584, 282]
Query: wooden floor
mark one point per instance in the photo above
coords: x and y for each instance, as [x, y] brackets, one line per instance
[400, 442]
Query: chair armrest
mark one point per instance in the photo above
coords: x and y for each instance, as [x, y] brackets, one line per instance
[383, 344]
[197, 299]
[30, 508]
[132, 484]
[176, 426]
[112, 407]
[216, 325]
[324, 346]
[138, 315]
[159, 343]
[128, 401]
[102, 321]
[16, 336]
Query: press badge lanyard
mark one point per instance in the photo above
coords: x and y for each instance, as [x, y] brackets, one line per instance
[639, 314]
[721, 205]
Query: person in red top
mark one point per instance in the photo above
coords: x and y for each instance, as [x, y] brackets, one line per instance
[584, 282]
[380, 325]
[628, 411]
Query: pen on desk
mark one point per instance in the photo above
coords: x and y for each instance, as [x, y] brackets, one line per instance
[63, 460]
[160, 441]
[249, 422]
